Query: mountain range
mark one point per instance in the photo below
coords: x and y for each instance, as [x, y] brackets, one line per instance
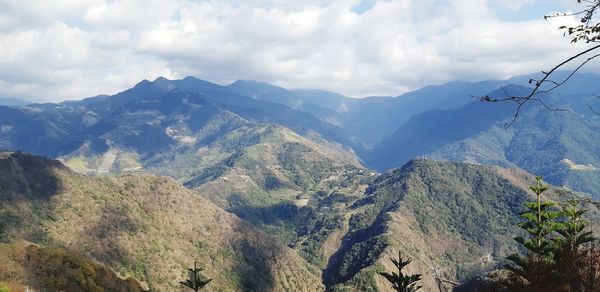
[9, 101]
[276, 190]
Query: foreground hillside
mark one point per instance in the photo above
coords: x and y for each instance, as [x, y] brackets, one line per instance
[455, 218]
[146, 227]
[54, 269]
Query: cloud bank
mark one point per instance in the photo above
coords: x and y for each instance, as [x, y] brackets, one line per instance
[56, 50]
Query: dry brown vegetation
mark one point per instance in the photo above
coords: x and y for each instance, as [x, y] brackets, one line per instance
[54, 269]
[151, 228]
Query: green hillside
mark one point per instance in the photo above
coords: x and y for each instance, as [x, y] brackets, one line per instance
[54, 269]
[456, 218]
[142, 226]
[289, 186]
[559, 146]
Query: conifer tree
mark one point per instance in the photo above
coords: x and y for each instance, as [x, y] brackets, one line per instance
[570, 258]
[196, 280]
[540, 224]
[401, 282]
[573, 230]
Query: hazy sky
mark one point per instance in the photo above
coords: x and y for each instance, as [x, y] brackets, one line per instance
[67, 49]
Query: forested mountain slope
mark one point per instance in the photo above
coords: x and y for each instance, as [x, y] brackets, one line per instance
[142, 226]
[560, 146]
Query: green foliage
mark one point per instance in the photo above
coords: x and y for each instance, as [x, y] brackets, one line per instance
[402, 282]
[271, 181]
[365, 281]
[213, 171]
[573, 228]
[540, 224]
[555, 239]
[195, 279]
[360, 254]
[315, 228]
[577, 267]
[304, 172]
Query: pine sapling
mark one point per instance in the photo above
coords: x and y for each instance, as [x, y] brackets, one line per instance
[401, 282]
[195, 279]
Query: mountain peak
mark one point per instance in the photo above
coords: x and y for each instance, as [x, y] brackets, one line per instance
[143, 84]
[192, 83]
[192, 78]
[161, 79]
[164, 83]
[249, 82]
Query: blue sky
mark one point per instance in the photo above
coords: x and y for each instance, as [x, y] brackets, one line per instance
[66, 49]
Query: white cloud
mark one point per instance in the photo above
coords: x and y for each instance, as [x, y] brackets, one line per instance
[514, 4]
[93, 47]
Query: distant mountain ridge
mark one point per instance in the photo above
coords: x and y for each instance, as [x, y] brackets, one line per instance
[370, 119]
[9, 101]
[560, 146]
[384, 132]
[176, 115]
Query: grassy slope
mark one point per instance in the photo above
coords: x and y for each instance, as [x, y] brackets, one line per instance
[143, 226]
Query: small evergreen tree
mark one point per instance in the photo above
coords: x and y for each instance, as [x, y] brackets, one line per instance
[540, 224]
[195, 279]
[570, 258]
[555, 259]
[573, 229]
[401, 282]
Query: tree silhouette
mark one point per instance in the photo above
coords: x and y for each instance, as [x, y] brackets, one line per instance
[195, 279]
[401, 282]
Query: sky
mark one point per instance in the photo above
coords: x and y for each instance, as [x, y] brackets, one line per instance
[68, 49]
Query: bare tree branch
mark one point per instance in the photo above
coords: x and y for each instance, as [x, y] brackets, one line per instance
[588, 32]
